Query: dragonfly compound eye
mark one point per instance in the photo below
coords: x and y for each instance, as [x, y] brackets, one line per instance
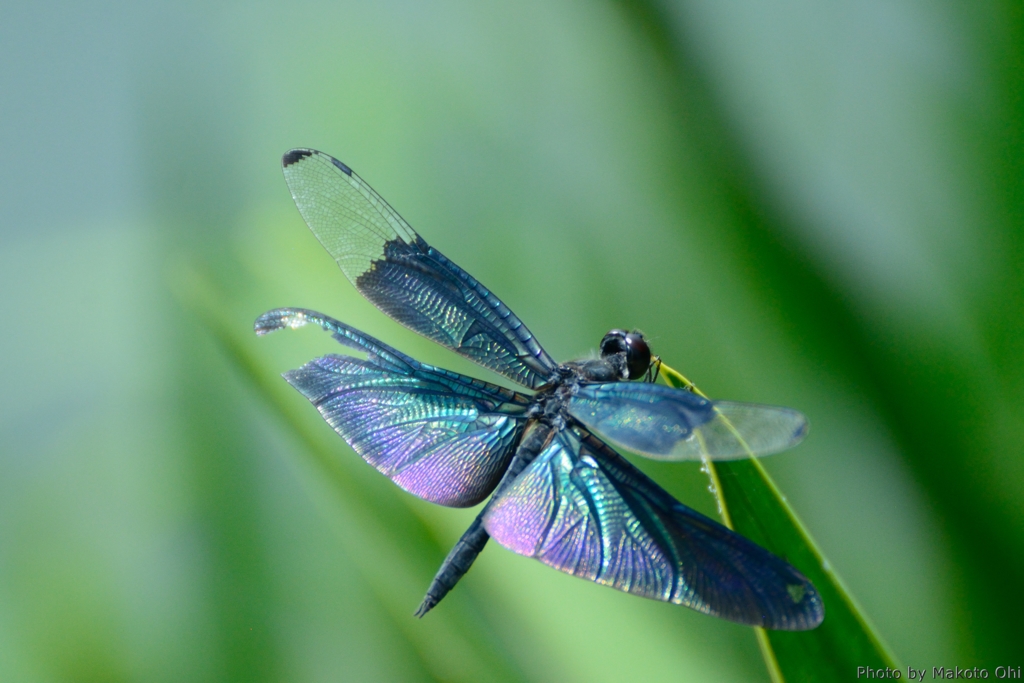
[638, 355]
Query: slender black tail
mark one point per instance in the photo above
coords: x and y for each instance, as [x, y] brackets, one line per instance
[461, 557]
[456, 564]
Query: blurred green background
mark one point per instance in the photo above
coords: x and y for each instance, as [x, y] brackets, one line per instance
[816, 205]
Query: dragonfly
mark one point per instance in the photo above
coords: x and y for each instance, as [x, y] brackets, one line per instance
[558, 490]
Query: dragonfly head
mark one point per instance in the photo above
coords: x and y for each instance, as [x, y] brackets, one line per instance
[630, 349]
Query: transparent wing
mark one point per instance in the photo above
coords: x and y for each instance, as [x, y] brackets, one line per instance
[439, 435]
[674, 424]
[405, 277]
[583, 509]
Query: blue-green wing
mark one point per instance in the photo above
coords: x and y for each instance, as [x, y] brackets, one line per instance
[442, 436]
[674, 424]
[405, 277]
[583, 509]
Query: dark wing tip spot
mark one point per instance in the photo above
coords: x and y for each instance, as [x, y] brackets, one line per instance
[344, 169]
[295, 155]
[801, 430]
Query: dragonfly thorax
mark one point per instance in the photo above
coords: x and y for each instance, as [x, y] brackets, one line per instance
[551, 402]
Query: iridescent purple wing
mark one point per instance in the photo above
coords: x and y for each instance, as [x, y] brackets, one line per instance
[583, 509]
[439, 435]
[674, 424]
[405, 277]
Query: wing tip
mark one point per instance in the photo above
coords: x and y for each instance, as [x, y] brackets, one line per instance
[816, 617]
[801, 430]
[293, 156]
[267, 323]
[278, 319]
[811, 612]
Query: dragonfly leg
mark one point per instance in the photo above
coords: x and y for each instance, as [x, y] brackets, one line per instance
[654, 370]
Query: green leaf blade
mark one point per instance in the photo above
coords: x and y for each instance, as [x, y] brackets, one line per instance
[752, 505]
